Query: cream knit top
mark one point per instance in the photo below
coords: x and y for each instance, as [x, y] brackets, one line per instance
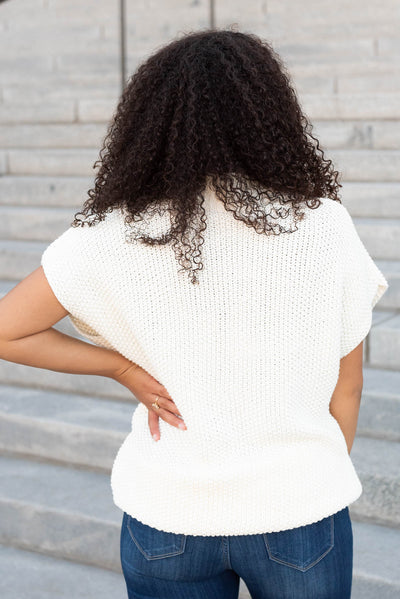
[250, 356]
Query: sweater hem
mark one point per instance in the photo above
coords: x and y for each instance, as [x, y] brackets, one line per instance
[286, 489]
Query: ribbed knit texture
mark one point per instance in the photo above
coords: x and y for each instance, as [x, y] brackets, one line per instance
[250, 356]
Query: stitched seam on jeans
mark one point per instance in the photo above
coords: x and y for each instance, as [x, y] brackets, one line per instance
[150, 557]
[302, 568]
[329, 548]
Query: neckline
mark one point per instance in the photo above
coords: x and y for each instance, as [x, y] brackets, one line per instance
[211, 201]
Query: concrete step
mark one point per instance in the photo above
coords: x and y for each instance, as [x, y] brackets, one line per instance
[46, 577]
[366, 165]
[93, 62]
[356, 165]
[377, 463]
[63, 62]
[333, 134]
[63, 427]
[43, 65]
[338, 25]
[312, 22]
[41, 14]
[64, 512]
[383, 341]
[342, 84]
[3, 163]
[384, 45]
[331, 50]
[379, 415]
[368, 83]
[56, 111]
[318, 106]
[19, 258]
[39, 378]
[362, 134]
[375, 561]
[44, 510]
[351, 106]
[62, 41]
[378, 65]
[75, 90]
[33, 223]
[42, 135]
[71, 161]
[105, 81]
[46, 35]
[44, 190]
[369, 199]
[380, 236]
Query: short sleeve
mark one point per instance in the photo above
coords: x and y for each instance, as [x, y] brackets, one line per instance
[66, 265]
[363, 285]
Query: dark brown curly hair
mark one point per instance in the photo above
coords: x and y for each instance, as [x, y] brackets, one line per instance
[214, 107]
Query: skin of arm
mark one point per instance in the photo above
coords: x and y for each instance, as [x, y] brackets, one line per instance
[345, 401]
[27, 314]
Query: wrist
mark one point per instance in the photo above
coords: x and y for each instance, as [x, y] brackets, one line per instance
[120, 365]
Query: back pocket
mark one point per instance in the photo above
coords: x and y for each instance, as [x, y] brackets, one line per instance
[301, 547]
[154, 543]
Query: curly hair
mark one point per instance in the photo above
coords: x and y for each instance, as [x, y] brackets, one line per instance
[214, 107]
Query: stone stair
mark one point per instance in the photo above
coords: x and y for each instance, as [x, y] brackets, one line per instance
[46, 577]
[60, 432]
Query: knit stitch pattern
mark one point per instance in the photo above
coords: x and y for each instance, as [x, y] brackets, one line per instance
[250, 357]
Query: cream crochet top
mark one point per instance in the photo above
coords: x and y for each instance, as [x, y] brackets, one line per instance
[250, 356]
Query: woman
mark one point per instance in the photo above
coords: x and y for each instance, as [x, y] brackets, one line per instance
[247, 360]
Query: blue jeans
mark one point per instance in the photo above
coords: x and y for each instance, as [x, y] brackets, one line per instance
[308, 562]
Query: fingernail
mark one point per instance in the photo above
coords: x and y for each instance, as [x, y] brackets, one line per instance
[182, 425]
[155, 437]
